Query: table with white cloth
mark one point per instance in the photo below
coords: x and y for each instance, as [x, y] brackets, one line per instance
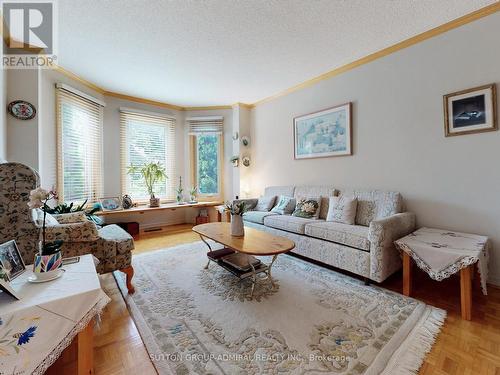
[442, 253]
[36, 329]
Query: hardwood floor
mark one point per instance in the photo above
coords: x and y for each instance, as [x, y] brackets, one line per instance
[462, 347]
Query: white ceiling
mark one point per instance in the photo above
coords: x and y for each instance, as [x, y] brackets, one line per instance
[218, 52]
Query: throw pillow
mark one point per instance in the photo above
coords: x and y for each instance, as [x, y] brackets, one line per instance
[285, 205]
[342, 209]
[307, 208]
[265, 203]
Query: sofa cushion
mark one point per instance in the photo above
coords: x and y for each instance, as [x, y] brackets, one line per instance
[350, 235]
[307, 208]
[342, 210]
[375, 204]
[325, 192]
[288, 223]
[257, 216]
[285, 205]
[265, 203]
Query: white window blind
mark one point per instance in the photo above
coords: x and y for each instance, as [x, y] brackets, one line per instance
[200, 125]
[147, 137]
[79, 147]
[207, 142]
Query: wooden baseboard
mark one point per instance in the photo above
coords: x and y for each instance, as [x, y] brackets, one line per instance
[166, 229]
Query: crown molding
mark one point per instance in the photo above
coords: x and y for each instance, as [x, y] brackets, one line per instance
[143, 101]
[79, 79]
[208, 108]
[468, 18]
[483, 12]
[135, 99]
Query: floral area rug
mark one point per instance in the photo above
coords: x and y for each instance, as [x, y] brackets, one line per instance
[313, 321]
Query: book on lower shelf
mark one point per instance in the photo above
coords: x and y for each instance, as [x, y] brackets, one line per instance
[241, 262]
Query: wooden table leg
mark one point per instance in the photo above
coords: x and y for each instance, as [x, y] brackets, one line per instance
[407, 274]
[219, 216]
[86, 350]
[466, 292]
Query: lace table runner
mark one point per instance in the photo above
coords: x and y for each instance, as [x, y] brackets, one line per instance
[442, 253]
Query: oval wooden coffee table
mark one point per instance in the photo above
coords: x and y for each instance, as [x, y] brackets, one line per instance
[254, 243]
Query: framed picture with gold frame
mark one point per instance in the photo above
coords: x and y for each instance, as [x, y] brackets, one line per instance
[470, 111]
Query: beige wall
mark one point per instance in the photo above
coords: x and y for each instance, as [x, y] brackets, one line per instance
[22, 135]
[3, 114]
[399, 142]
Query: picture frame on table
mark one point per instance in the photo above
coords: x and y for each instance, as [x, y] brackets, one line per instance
[470, 111]
[323, 133]
[11, 260]
[111, 203]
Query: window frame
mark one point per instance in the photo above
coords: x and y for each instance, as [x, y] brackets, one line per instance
[194, 165]
[70, 93]
[170, 129]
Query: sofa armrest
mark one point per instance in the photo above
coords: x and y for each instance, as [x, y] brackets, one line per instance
[384, 258]
[73, 217]
[250, 202]
[73, 232]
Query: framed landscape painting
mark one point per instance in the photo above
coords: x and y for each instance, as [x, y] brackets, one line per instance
[324, 133]
[470, 111]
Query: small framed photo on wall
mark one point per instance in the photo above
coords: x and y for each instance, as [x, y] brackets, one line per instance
[470, 111]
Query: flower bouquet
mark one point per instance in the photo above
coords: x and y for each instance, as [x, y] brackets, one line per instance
[237, 209]
[49, 257]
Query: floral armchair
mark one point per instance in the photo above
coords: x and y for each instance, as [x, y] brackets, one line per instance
[111, 245]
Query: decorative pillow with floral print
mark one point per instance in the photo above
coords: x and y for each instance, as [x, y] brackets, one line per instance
[307, 208]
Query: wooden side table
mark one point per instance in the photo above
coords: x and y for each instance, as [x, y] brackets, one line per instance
[443, 253]
[57, 312]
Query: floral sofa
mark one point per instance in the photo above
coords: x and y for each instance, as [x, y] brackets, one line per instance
[365, 248]
[111, 245]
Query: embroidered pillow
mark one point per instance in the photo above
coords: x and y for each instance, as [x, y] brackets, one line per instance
[265, 203]
[285, 205]
[307, 208]
[342, 210]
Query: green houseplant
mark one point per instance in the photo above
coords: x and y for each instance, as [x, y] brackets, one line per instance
[180, 197]
[152, 173]
[192, 194]
[65, 208]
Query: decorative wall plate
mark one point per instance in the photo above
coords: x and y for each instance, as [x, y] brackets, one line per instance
[22, 110]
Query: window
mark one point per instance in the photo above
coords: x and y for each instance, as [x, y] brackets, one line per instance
[79, 147]
[206, 141]
[145, 138]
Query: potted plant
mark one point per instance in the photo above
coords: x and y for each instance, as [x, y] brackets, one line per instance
[237, 209]
[64, 208]
[49, 257]
[179, 197]
[192, 194]
[152, 173]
